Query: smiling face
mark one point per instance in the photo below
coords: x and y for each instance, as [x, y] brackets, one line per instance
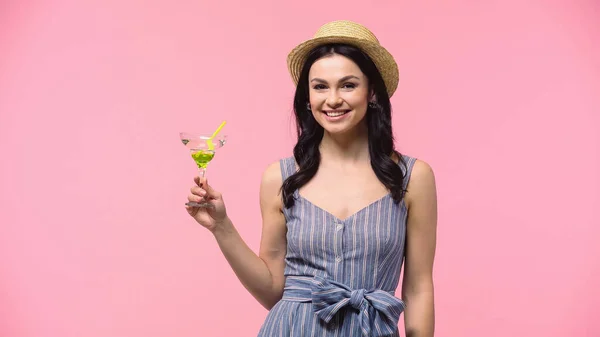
[338, 94]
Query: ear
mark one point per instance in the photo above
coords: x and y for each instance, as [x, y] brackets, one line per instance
[372, 96]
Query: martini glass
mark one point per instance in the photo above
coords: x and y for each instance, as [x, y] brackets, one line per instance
[202, 149]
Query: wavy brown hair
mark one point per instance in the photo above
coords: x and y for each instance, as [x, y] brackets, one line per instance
[379, 125]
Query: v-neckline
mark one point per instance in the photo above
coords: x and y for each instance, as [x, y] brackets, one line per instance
[351, 215]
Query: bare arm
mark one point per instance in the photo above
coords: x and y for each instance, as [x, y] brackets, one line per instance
[417, 286]
[261, 275]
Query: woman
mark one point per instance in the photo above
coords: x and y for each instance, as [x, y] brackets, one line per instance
[341, 215]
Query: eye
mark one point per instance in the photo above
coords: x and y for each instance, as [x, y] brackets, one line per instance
[319, 87]
[349, 86]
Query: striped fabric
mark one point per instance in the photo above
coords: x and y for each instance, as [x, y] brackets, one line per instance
[341, 274]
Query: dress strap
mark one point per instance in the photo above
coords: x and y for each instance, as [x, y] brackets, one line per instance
[407, 170]
[288, 167]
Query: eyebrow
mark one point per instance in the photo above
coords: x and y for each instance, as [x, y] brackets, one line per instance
[345, 78]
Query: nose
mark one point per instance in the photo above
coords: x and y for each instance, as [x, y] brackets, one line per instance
[334, 100]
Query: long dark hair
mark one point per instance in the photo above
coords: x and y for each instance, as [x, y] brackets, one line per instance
[379, 124]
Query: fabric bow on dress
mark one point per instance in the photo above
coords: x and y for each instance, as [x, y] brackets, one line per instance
[379, 311]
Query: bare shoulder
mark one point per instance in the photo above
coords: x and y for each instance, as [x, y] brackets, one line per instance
[272, 177]
[422, 183]
[422, 171]
[270, 185]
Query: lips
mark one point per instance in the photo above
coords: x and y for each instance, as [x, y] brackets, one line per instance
[335, 113]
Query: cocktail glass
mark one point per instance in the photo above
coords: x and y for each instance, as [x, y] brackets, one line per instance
[202, 149]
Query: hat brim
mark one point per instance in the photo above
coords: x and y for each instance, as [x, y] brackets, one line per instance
[384, 61]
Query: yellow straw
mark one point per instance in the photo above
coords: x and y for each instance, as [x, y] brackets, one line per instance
[209, 142]
[218, 129]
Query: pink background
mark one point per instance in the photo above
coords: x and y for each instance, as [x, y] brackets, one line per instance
[502, 98]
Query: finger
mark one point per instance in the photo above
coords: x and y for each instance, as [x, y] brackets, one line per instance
[210, 192]
[200, 181]
[195, 198]
[198, 191]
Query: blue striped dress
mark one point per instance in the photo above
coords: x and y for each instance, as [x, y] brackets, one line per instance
[341, 274]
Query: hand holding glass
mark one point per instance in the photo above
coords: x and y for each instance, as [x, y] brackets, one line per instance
[202, 148]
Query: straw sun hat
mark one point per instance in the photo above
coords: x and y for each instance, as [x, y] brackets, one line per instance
[351, 33]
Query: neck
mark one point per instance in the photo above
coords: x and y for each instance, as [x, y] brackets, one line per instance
[348, 147]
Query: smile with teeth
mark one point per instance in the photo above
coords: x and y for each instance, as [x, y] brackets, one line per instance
[336, 113]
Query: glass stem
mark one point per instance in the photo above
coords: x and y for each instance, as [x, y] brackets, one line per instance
[202, 172]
